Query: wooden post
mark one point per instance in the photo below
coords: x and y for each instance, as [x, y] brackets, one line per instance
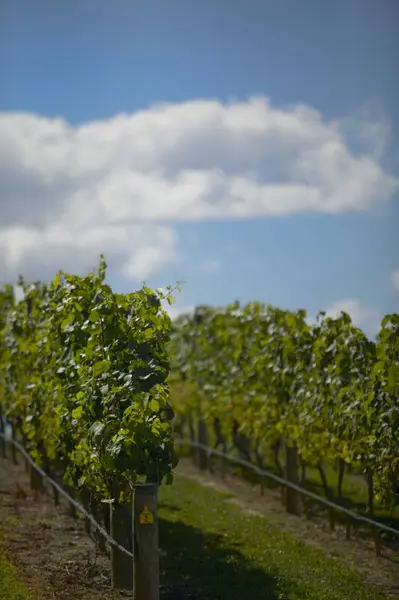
[97, 514]
[146, 549]
[71, 506]
[56, 496]
[193, 449]
[86, 506]
[121, 532]
[13, 448]
[36, 480]
[25, 445]
[292, 497]
[377, 541]
[202, 439]
[52, 476]
[3, 451]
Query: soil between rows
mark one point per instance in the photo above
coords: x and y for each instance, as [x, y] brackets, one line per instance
[56, 559]
[54, 556]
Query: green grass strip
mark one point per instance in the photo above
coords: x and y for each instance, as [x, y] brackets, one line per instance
[217, 551]
[10, 586]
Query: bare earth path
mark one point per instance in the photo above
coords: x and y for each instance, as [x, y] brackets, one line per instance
[56, 559]
[54, 556]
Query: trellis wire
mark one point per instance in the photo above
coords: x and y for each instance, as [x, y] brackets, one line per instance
[210, 450]
[286, 483]
[71, 500]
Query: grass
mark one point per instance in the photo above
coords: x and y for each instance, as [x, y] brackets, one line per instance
[216, 551]
[10, 586]
[354, 489]
[354, 498]
[354, 495]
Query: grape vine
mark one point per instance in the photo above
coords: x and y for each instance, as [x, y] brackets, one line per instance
[259, 375]
[83, 376]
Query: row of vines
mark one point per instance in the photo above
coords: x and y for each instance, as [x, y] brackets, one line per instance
[258, 377]
[83, 379]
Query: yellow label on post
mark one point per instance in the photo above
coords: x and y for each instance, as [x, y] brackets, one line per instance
[146, 516]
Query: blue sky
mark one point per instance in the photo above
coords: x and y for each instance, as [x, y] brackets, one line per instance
[107, 59]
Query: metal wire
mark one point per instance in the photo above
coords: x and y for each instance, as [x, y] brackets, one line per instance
[210, 450]
[63, 493]
[289, 484]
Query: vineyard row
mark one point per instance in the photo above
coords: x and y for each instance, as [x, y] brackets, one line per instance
[259, 378]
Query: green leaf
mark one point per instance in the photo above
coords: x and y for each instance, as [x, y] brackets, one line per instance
[77, 412]
[102, 366]
[393, 375]
[154, 405]
[94, 316]
[129, 410]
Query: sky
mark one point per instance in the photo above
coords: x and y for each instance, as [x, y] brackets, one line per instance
[249, 149]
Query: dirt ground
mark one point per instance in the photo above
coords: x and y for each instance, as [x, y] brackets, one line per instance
[56, 558]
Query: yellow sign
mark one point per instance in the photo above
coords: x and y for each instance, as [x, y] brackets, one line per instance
[146, 517]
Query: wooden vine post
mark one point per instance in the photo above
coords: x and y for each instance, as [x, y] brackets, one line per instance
[293, 501]
[145, 535]
[202, 439]
[121, 532]
[13, 448]
[86, 504]
[36, 480]
[71, 507]
[2, 439]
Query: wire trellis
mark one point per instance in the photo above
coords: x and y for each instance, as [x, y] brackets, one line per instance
[286, 483]
[65, 494]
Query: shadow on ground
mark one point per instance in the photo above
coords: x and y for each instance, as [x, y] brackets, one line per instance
[199, 566]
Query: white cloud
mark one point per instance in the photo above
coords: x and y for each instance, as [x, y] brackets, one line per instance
[134, 250]
[395, 279]
[118, 185]
[369, 128]
[366, 318]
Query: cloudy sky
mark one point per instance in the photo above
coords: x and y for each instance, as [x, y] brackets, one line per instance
[246, 148]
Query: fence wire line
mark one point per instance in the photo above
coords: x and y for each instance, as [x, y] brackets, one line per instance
[286, 483]
[239, 461]
[78, 506]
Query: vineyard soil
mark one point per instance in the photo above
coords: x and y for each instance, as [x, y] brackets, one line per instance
[53, 555]
[211, 547]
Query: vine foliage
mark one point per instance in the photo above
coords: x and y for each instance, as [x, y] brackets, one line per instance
[83, 375]
[261, 374]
